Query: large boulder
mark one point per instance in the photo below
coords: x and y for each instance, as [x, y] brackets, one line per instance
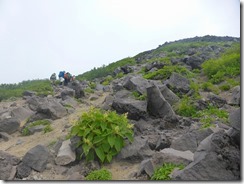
[65, 154]
[178, 83]
[8, 164]
[67, 92]
[124, 103]
[36, 158]
[9, 126]
[21, 113]
[193, 61]
[156, 104]
[216, 100]
[78, 87]
[217, 158]
[138, 150]
[235, 121]
[236, 96]
[169, 96]
[136, 83]
[190, 140]
[48, 108]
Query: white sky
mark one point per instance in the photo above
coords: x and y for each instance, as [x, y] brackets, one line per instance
[40, 37]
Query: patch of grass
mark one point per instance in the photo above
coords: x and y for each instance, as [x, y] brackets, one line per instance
[102, 174]
[46, 123]
[209, 87]
[163, 173]
[89, 90]
[186, 107]
[166, 72]
[138, 96]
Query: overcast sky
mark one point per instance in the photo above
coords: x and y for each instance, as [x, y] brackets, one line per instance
[40, 37]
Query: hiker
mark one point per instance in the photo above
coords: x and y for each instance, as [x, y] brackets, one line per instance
[61, 77]
[67, 78]
[53, 78]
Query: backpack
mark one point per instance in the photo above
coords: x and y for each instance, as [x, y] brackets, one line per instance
[61, 74]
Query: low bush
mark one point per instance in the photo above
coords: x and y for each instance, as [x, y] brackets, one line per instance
[163, 173]
[102, 174]
[102, 133]
[138, 96]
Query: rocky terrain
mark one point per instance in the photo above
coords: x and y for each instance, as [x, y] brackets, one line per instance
[161, 133]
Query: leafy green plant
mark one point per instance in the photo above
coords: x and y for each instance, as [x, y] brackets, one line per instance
[107, 80]
[89, 90]
[224, 87]
[186, 107]
[208, 86]
[165, 170]
[102, 133]
[102, 174]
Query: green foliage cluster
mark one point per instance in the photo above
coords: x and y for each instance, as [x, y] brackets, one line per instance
[187, 108]
[46, 129]
[139, 96]
[163, 173]
[208, 86]
[102, 133]
[166, 72]
[107, 80]
[105, 70]
[42, 87]
[224, 67]
[102, 174]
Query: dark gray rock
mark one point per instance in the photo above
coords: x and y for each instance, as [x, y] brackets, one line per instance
[136, 83]
[99, 87]
[137, 150]
[169, 96]
[193, 61]
[76, 176]
[216, 100]
[178, 84]
[23, 171]
[157, 106]
[190, 140]
[5, 136]
[147, 167]
[67, 92]
[169, 155]
[69, 101]
[21, 113]
[124, 103]
[8, 165]
[65, 154]
[9, 126]
[29, 93]
[217, 158]
[35, 129]
[235, 121]
[36, 158]
[46, 108]
[162, 143]
[78, 87]
[236, 96]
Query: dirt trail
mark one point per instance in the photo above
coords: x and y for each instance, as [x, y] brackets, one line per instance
[18, 145]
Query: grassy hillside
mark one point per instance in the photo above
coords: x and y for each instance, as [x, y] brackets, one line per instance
[41, 87]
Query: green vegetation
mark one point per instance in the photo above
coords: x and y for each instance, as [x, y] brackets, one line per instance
[225, 67]
[187, 108]
[107, 80]
[208, 86]
[102, 174]
[105, 70]
[102, 133]
[163, 172]
[138, 96]
[46, 129]
[166, 72]
[41, 87]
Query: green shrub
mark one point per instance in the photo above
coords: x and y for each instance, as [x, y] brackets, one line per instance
[208, 86]
[102, 133]
[166, 72]
[163, 172]
[102, 174]
[227, 65]
[48, 128]
[107, 80]
[89, 90]
[186, 107]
